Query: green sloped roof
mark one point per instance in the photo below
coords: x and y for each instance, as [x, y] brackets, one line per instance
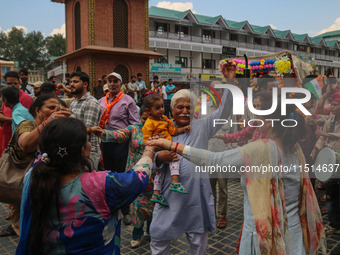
[178, 15]
[206, 19]
[331, 43]
[315, 40]
[166, 13]
[280, 33]
[328, 34]
[234, 24]
[259, 29]
[298, 37]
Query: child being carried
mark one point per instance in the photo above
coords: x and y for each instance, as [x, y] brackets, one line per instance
[159, 125]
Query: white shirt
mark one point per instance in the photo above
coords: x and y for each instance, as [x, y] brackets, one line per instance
[133, 86]
[165, 96]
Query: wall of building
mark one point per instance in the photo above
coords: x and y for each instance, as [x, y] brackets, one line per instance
[104, 23]
[323, 56]
[70, 31]
[82, 62]
[105, 65]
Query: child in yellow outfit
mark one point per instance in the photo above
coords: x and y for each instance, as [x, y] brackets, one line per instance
[159, 125]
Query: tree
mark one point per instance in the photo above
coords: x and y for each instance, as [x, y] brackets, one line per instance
[34, 51]
[11, 44]
[55, 45]
[30, 50]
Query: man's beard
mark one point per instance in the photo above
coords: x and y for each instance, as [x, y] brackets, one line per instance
[77, 91]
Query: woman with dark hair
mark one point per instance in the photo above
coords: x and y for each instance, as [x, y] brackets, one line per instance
[281, 213]
[66, 207]
[25, 141]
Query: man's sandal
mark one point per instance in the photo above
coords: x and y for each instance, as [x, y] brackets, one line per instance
[221, 222]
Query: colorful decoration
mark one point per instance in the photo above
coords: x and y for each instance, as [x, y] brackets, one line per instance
[283, 66]
[262, 66]
[255, 67]
[240, 66]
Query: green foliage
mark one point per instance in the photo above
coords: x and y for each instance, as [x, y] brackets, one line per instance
[31, 50]
[55, 45]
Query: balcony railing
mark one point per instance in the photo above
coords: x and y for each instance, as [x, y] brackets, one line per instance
[210, 42]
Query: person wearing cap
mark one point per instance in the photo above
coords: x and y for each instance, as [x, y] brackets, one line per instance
[106, 89]
[98, 91]
[36, 89]
[86, 108]
[118, 111]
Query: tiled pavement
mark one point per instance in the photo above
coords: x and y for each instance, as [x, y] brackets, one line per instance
[223, 242]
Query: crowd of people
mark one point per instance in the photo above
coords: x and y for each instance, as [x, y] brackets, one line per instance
[115, 149]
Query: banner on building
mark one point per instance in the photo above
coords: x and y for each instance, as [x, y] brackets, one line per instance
[165, 68]
[167, 76]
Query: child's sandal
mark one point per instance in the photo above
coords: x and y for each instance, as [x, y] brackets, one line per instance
[178, 187]
[159, 199]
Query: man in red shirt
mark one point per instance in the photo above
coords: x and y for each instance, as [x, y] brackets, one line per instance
[12, 79]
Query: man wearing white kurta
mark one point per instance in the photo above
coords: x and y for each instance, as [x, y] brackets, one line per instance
[191, 213]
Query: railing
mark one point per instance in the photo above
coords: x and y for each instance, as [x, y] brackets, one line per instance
[197, 39]
[233, 43]
[242, 45]
[219, 42]
[198, 70]
[257, 47]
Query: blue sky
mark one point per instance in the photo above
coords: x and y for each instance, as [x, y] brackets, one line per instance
[300, 16]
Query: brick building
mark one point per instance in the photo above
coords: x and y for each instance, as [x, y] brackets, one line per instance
[107, 35]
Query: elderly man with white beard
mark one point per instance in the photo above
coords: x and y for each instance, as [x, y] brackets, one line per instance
[193, 213]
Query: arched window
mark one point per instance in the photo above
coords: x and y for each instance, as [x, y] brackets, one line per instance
[77, 29]
[124, 72]
[120, 24]
[78, 69]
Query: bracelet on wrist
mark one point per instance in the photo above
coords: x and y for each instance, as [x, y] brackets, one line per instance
[150, 151]
[170, 146]
[176, 147]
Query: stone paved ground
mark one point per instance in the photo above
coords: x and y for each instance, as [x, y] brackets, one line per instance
[223, 242]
